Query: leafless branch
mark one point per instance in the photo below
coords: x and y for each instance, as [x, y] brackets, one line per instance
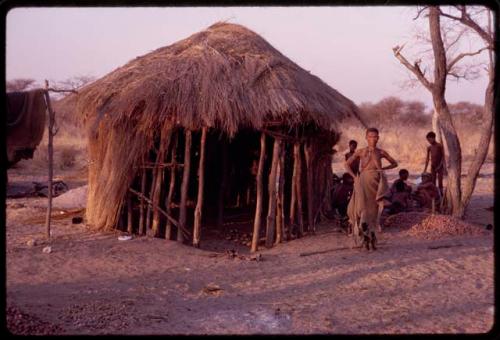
[466, 19]
[415, 68]
[60, 90]
[463, 55]
[420, 12]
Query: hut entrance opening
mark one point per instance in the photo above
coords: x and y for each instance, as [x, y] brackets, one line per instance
[237, 201]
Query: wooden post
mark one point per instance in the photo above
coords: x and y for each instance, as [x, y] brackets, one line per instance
[280, 214]
[310, 199]
[201, 185]
[298, 188]
[171, 189]
[185, 183]
[129, 214]
[142, 203]
[158, 181]
[271, 211]
[51, 157]
[222, 189]
[258, 206]
[293, 198]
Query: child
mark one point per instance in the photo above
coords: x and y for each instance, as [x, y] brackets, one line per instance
[435, 152]
[403, 177]
[352, 149]
[400, 199]
[427, 192]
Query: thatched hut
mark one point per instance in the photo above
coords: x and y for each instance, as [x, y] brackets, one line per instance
[219, 120]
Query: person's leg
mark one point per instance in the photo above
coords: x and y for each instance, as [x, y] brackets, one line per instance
[440, 182]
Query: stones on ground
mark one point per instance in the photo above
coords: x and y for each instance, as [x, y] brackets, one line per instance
[31, 242]
[212, 289]
[77, 220]
[47, 250]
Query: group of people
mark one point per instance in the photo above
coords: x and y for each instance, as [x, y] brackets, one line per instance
[363, 193]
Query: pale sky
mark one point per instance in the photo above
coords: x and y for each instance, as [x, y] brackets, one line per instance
[350, 48]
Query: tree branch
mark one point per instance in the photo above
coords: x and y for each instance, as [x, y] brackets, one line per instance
[462, 55]
[420, 12]
[415, 68]
[468, 21]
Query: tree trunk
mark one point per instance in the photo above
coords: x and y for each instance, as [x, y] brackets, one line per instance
[440, 105]
[201, 183]
[484, 141]
[310, 195]
[258, 205]
[271, 210]
[436, 127]
[171, 190]
[185, 184]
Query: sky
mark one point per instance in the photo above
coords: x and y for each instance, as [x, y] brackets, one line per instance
[349, 48]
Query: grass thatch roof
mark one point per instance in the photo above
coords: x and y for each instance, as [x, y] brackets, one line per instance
[226, 77]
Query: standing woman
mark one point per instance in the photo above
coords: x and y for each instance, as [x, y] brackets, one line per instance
[370, 188]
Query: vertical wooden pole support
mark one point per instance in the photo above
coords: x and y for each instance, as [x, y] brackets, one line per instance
[184, 184]
[158, 183]
[258, 205]
[129, 213]
[298, 188]
[171, 189]
[293, 198]
[222, 189]
[280, 214]
[142, 202]
[51, 157]
[310, 199]
[271, 211]
[201, 185]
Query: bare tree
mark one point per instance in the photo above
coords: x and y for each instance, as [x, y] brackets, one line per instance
[20, 84]
[448, 66]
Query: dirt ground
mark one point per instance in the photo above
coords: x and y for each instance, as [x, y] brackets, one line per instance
[92, 283]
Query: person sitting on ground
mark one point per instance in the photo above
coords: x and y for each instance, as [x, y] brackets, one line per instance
[427, 192]
[400, 198]
[342, 194]
[403, 177]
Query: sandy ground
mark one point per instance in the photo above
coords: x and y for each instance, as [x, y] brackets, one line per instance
[92, 283]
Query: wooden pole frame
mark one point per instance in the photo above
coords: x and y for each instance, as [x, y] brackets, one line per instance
[185, 183]
[308, 153]
[271, 210]
[258, 205]
[201, 186]
[298, 188]
[280, 197]
[171, 190]
[50, 147]
[158, 181]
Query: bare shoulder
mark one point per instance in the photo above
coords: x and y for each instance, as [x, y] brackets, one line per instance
[383, 152]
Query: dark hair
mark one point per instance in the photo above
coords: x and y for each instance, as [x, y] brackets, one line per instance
[400, 186]
[403, 171]
[372, 129]
[352, 141]
[431, 135]
[346, 177]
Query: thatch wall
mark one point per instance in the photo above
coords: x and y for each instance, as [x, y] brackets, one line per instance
[225, 78]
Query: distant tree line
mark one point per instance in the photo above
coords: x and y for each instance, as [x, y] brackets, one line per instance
[393, 112]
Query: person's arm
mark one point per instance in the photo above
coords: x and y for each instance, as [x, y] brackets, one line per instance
[348, 162]
[391, 160]
[427, 159]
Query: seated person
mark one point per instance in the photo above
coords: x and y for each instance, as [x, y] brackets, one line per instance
[426, 192]
[342, 194]
[400, 198]
[403, 177]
